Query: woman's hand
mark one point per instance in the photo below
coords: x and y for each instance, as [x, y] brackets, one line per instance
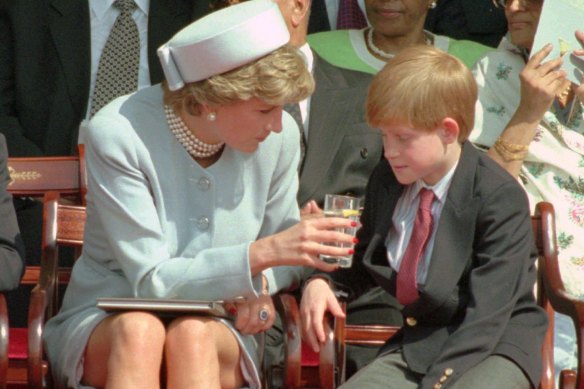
[253, 315]
[540, 83]
[302, 244]
[580, 53]
[317, 299]
[311, 210]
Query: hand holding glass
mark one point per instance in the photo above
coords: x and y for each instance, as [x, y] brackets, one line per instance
[341, 206]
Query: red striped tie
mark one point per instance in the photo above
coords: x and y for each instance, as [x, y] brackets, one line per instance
[350, 15]
[407, 290]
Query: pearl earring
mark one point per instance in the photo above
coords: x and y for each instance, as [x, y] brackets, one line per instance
[432, 5]
[211, 116]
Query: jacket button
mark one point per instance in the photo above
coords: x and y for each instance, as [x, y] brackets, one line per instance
[411, 321]
[364, 153]
[443, 379]
[437, 386]
[204, 184]
[448, 372]
[203, 223]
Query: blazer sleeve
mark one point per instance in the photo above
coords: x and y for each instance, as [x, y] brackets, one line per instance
[11, 246]
[502, 276]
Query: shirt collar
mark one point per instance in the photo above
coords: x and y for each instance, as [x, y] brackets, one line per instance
[440, 189]
[308, 56]
[100, 7]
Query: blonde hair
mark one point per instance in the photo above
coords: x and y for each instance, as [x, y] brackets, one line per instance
[278, 78]
[420, 87]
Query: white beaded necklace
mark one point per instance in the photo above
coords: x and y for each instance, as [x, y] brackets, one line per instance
[385, 54]
[194, 146]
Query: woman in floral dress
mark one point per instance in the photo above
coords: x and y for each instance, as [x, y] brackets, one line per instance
[529, 118]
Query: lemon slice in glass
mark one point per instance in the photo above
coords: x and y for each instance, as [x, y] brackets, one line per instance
[350, 212]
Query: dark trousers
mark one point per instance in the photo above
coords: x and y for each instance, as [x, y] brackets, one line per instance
[391, 371]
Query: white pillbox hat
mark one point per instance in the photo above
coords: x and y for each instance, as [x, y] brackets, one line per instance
[222, 41]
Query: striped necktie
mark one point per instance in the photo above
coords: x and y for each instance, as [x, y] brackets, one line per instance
[117, 72]
[407, 289]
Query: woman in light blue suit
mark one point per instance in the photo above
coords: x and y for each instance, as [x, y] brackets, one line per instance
[191, 196]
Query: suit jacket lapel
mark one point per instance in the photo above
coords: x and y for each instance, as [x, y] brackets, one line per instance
[452, 245]
[69, 26]
[382, 214]
[330, 107]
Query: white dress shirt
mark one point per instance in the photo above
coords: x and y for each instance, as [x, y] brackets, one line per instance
[403, 220]
[305, 104]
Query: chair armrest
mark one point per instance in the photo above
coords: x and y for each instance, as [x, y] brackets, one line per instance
[338, 335]
[288, 308]
[567, 379]
[4, 327]
[333, 352]
[554, 291]
[37, 366]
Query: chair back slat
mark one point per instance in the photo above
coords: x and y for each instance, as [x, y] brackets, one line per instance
[36, 175]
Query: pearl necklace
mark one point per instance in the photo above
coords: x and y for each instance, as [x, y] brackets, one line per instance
[385, 54]
[194, 146]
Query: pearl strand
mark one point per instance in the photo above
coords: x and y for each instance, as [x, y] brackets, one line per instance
[375, 49]
[385, 54]
[193, 145]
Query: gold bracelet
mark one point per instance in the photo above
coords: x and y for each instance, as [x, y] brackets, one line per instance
[510, 151]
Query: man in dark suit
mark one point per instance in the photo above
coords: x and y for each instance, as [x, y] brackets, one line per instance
[466, 282]
[476, 20]
[45, 73]
[11, 246]
[45, 68]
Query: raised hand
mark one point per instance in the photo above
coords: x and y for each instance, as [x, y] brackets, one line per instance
[541, 82]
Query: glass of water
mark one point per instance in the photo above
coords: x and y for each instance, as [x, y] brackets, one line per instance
[341, 206]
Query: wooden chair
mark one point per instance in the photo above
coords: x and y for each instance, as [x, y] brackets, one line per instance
[4, 328]
[554, 294]
[33, 177]
[63, 225]
[551, 296]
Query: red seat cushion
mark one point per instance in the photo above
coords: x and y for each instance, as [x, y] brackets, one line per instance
[18, 343]
[309, 357]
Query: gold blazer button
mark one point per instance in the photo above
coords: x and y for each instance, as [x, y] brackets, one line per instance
[411, 321]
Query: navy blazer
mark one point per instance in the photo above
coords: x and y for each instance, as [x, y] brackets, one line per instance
[478, 296]
[45, 61]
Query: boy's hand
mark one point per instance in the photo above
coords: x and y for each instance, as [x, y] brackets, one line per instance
[317, 299]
